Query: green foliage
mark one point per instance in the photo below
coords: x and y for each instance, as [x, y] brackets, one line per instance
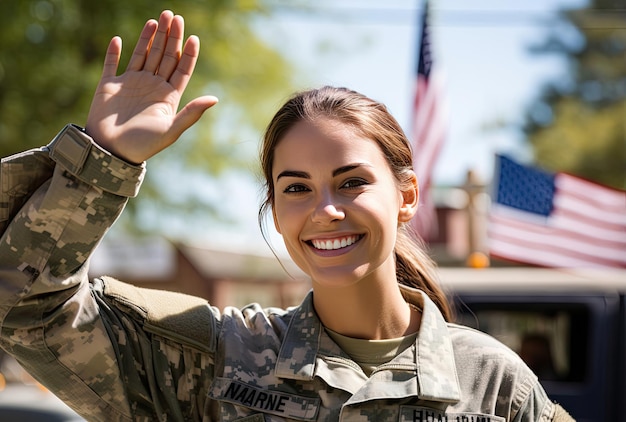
[577, 124]
[51, 53]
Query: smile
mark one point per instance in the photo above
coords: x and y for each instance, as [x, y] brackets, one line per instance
[333, 244]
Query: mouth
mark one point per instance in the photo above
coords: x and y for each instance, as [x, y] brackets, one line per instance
[334, 244]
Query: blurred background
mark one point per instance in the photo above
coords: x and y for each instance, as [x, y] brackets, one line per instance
[541, 81]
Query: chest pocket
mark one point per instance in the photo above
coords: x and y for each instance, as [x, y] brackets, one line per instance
[424, 414]
[243, 399]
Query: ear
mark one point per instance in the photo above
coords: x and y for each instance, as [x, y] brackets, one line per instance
[276, 225]
[410, 200]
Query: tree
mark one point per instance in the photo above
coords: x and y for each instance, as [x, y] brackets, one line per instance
[577, 123]
[51, 53]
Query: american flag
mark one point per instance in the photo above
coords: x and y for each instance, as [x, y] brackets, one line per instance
[555, 219]
[428, 132]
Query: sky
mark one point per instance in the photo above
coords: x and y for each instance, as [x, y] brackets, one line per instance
[480, 46]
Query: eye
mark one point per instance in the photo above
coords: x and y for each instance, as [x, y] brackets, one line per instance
[353, 183]
[296, 188]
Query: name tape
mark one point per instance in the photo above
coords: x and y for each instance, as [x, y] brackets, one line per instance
[423, 414]
[268, 401]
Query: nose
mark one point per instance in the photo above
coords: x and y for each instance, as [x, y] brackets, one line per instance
[327, 210]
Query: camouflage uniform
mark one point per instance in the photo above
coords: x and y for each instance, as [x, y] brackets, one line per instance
[115, 352]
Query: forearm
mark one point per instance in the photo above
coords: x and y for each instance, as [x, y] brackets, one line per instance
[53, 233]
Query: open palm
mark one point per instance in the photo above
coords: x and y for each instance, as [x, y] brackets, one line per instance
[135, 115]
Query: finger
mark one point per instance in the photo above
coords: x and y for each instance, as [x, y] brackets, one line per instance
[191, 113]
[138, 57]
[173, 48]
[155, 52]
[186, 64]
[112, 58]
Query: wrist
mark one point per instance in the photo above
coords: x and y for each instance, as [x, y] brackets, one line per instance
[74, 150]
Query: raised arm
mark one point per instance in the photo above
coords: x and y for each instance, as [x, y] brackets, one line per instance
[56, 204]
[135, 115]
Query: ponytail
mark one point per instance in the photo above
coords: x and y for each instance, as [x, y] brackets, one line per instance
[414, 268]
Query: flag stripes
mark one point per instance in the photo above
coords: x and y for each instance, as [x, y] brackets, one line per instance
[584, 226]
[428, 130]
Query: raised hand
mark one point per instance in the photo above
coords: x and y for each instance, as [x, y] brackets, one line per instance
[135, 115]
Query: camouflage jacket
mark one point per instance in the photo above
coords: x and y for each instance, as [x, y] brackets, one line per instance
[115, 352]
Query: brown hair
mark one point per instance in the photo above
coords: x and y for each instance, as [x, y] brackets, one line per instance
[372, 120]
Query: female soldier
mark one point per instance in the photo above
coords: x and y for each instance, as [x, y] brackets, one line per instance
[370, 343]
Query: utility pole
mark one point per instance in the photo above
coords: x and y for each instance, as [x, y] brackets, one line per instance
[476, 257]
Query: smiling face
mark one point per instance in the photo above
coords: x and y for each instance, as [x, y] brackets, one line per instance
[337, 204]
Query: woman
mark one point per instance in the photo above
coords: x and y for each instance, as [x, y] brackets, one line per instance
[340, 188]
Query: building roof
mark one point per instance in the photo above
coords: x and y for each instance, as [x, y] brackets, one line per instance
[155, 258]
[214, 263]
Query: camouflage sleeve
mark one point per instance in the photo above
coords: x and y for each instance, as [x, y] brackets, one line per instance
[531, 404]
[56, 203]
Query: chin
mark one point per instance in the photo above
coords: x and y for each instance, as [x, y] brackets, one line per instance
[336, 278]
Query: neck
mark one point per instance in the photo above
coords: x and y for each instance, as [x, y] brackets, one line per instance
[369, 309]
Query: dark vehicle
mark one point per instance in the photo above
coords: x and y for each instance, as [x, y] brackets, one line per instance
[569, 326]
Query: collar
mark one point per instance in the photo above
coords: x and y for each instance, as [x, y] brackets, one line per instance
[434, 356]
[306, 339]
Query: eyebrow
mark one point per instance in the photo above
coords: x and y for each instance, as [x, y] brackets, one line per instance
[293, 173]
[305, 175]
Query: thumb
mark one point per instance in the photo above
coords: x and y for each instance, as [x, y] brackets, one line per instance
[191, 113]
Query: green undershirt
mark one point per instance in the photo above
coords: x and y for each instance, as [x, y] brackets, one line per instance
[370, 354]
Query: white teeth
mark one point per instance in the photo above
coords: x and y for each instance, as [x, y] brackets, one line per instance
[335, 244]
